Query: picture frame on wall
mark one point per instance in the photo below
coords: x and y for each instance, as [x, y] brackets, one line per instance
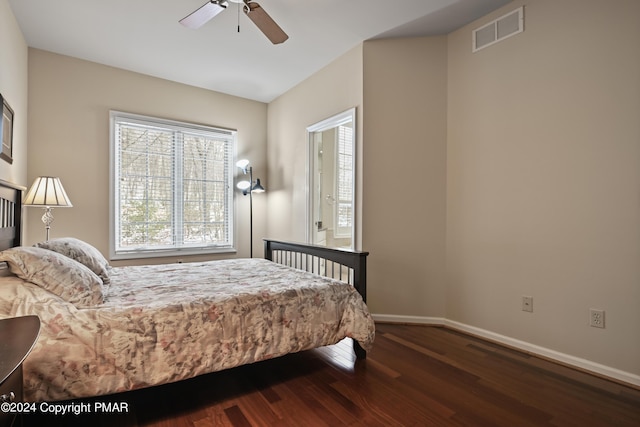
[6, 130]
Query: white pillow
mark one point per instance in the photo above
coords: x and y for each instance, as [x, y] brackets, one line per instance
[58, 274]
[82, 252]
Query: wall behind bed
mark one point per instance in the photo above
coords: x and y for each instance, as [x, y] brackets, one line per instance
[13, 87]
[69, 103]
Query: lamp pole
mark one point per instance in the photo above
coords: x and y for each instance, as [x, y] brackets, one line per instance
[251, 211]
[257, 187]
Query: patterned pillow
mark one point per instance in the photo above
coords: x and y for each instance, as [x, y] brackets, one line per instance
[80, 251]
[56, 273]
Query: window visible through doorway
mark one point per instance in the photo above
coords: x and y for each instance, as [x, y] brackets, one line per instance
[344, 181]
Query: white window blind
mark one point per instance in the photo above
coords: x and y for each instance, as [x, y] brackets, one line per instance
[344, 182]
[172, 188]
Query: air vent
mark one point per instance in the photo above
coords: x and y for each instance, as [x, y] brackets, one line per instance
[504, 27]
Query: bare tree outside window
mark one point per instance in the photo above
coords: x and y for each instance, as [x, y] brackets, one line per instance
[172, 186]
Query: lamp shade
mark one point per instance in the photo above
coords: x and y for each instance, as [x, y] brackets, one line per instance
[243, 164]
[243, 185]
[258, 188]
[47, 191]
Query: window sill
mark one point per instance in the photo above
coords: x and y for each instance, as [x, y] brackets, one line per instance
[170, 253]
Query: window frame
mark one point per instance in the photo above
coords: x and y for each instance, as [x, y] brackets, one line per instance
[311, 172]
[119, 254]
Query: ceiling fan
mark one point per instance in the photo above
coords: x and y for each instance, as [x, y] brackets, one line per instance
[253, 10]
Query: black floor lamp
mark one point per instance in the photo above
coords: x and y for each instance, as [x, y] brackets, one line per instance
[249, 187]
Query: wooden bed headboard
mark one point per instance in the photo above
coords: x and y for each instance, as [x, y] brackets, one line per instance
[10, 215]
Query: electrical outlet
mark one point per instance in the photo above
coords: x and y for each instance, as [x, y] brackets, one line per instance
[527, 303]
[596, 318]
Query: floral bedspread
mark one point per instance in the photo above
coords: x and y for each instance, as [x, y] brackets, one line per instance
[165, 323]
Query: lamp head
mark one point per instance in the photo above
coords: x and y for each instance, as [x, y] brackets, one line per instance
[243, 165]
[47, 192]
[243, 185]
[257, 188]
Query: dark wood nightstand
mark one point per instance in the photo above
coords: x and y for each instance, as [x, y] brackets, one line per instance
[17, 337]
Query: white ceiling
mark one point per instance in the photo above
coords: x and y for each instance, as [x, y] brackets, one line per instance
[145, 36]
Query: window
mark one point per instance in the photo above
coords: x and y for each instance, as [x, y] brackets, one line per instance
[171, 189]
[344, 181]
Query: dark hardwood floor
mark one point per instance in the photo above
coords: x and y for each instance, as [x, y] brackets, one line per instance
[414, 376]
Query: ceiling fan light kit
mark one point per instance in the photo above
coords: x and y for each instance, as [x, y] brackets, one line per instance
[253, 10]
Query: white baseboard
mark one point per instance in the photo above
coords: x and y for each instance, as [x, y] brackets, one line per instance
[419, 320]
[566, 359]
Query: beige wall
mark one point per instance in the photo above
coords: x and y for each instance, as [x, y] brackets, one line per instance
[405, 106]
[513, 171]
[13, 87]
[69, 103]
[334, 89]
[543, 179]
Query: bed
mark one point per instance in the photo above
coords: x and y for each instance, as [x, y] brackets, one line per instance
[107, 330]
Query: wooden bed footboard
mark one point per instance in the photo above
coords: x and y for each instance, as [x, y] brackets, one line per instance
[343, 264]
[346, 265]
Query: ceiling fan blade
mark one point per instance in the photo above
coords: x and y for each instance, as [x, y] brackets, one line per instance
[264, 22]
[202, 15]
